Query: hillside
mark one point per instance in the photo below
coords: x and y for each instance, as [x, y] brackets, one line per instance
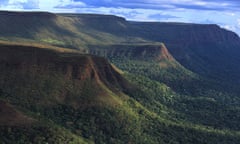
[10, 116]
[49, 85]
[61, 96]
[30, 62]
[87, 78]
[207, 50]
[150, 59]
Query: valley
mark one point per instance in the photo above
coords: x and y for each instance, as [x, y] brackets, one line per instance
[88, 78]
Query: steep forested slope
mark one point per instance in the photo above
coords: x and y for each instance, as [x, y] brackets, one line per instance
[204, 49]
[57, 95]
[177, 83]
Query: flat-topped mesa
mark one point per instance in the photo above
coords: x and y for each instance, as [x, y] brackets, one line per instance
[27, 24]
[156, 52]
[74, 65]
[27, 14]
[91, 75]
[198, 47]
[95, 16]
[184, 32]
[105, 23]
[164, 54]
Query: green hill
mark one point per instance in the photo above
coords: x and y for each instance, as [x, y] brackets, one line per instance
[86, 78]
[56, 96]
[207, 50]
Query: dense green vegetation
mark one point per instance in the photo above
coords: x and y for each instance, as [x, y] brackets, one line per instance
[38, 134]
[188, 97]
[185, 92]
[69, 110]
[211, 108]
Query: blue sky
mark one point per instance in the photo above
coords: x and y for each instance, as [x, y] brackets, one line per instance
[225, 13]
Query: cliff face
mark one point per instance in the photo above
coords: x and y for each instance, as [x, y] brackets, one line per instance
[204, 49]
[61, 74]
[86, 96]
[210, 51]
[180, 32]
[103, 23]
[207, 50]
[149, 52]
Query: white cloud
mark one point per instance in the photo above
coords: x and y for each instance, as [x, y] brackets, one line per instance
[230, 13]
[49, 4]
[16, 1]
[238, 21]
[234, 28]
[19, 4]
[229, 27]
[71, 4]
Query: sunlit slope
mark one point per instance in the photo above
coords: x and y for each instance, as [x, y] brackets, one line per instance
[85, 98]
[71, 32]
[207, 50]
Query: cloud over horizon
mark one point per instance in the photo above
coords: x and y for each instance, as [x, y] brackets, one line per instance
[165, 4]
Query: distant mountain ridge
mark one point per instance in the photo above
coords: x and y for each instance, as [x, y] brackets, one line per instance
[57, 95]
[88, 78]
[204, 49]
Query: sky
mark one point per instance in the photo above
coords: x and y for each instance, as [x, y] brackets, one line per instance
[225, 13]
